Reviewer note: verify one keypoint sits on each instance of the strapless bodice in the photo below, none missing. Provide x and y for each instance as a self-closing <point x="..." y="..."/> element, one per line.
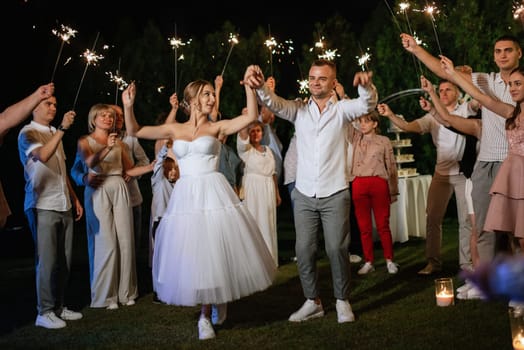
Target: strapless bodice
<point x="199" y="156"/>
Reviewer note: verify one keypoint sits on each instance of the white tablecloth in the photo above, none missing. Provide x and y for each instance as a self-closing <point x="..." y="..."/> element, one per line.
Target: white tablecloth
<point x="408" y="213"/>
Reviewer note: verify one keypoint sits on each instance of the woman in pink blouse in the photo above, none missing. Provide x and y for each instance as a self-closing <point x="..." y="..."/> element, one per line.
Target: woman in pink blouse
<point x="374" y="188"/>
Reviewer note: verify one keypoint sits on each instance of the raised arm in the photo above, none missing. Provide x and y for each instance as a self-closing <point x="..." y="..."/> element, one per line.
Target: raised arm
<point x="215" y="113"/>
<point x="18" y="112"/>
<point x="173" y="101"/>
<point x="231" y="126"/>
<point x="505" y="110"/>
<point x="442" y="115"/>
<point x="162" y="131"/>
<point x="385" y="111"/>
<point x="45" y="152"/>
<point x="433" y="63"/>
<point x="171" y="118"/>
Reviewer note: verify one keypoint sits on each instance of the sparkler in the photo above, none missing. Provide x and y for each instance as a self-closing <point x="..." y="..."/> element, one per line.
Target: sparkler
<point x="393" y="15"/>
<point x="233" y="40"/>
<point x="121" y="84"/>
<point x="91" y="58"/>
<point x="363" y="59"/>
<point x="64" y="33"/>
<point x="175" y="44"/>
<point x="270" y="43"/>
<point x="404" y="6"/>
<point x="430" y="10"/>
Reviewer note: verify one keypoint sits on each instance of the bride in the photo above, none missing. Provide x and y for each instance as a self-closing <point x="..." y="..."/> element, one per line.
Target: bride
<point x="208" y="248"/>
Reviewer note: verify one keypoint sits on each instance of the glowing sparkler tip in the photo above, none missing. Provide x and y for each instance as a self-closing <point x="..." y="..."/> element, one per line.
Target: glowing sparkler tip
<point x="65" y="33"/>
<point x="177" y="42"/>
<point x="303" y="86"/>
<point x="364" y="59"/>
<point x="233" y="38"/>
<point x="518" y="11"/>
<point x="270" y="42"/>
<point x="91" y="57"/>
<point x="118" y="80"/>
<point x="329" y="55"/>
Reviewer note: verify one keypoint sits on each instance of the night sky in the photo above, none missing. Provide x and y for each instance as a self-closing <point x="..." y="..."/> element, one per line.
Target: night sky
<point x="29" y="48"/>
<point x="28" y="43"/>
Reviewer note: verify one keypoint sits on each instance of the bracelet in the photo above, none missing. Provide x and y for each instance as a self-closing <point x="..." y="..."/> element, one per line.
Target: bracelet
<point x="61" y="128"/>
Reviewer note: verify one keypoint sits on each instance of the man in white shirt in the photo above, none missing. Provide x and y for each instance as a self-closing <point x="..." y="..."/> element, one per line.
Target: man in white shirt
<point x="48" y="196"/>
<point x="321" y="190"/>
<point x="447" y="177"/>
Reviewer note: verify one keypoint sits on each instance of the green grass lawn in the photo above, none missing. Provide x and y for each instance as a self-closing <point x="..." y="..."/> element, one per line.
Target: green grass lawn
<point x="392" y="311"/>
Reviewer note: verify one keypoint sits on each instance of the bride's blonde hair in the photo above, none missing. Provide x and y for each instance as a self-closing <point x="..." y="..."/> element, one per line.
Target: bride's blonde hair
<point x="193" y="90"/>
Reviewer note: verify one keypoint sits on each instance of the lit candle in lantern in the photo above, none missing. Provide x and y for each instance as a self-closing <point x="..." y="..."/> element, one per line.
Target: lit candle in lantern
<point x="444" y="291"/>
<point x="445" y="298"/>
<point x="518" y="342"/>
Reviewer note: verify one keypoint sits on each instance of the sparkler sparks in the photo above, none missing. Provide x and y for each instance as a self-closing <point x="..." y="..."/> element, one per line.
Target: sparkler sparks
<point x="118" y="80"/>
<point x="329" y="55"/>
<point x="363" y="60"/>
<point x="326" y="54"/>
<point x="64" y="33"/>
<point x="518" y="11"/>
<point x="91" y="57"/>
<point x="303" y="86"/>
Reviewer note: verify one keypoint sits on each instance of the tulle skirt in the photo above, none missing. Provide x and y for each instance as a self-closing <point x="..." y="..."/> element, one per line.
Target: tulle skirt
<point x="506" y="207"/>
<point x="208" y="248"/>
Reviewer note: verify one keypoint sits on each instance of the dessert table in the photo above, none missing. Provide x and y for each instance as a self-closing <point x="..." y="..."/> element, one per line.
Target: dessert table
<point x="408" y="213"/>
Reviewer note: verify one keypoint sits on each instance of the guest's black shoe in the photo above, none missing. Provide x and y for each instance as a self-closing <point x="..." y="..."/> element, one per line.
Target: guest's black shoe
<point x="430" y="269"/>
<point x="156" y="300"/>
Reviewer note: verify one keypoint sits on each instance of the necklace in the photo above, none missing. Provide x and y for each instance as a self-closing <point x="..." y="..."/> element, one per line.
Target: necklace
<point x="197" y="128"/>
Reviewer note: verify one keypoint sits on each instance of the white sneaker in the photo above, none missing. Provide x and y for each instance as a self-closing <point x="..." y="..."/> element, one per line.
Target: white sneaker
<point x="514" y="304"/>
<point x="344" y="312"/>
<point x="392" y="267"/>
<point x="308" y="311"/>
<point x="205" y="329"/>
<point x="70" y="315"/>
<point x="112" y="306"/>
<point x="218" y="313"/>
<point x="366" y="268"/>
<point x="50" y="321"/>
<point x="471" y="294"/>
<point x="354" y="259"/>
<point x="465" y="287"/>
<point x="130" y="302"/>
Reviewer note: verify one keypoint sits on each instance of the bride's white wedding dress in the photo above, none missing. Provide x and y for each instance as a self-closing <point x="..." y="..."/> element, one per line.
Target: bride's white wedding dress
<point x="208" y="248"/>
